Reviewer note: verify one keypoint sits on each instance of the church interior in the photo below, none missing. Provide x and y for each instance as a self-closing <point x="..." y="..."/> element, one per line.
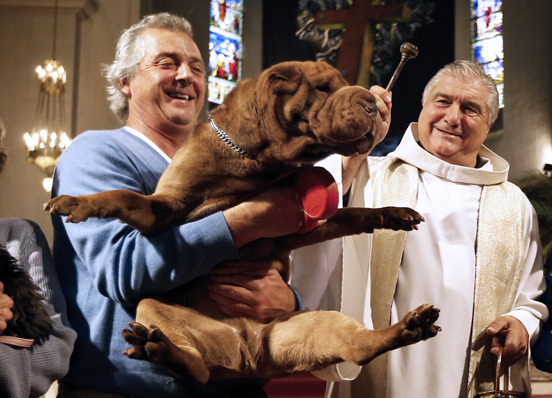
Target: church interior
<point x="81" y="34"/>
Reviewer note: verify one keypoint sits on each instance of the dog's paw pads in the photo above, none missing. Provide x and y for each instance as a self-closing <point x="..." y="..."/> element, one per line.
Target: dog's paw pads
<point x="419" y="323"/>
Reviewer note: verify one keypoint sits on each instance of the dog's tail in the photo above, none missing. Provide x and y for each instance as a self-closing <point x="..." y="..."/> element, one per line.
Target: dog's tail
<point x="30" y="318"/>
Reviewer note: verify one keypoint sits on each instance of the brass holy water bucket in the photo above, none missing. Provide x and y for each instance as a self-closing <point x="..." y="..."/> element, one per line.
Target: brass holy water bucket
<point x="498" y="393"/>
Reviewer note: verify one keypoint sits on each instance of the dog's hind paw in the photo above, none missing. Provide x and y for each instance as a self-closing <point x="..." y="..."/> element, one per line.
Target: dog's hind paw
<point x="148" y="344"/>
<point x="151" y="344"/>
<point x="139" y="337"/>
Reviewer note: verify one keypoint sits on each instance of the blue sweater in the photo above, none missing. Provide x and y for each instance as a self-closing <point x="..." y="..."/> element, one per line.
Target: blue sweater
<point x="106" y="267"/>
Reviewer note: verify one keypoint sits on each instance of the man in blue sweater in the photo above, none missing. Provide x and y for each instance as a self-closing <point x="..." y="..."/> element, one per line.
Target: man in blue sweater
<point x="157" y="88"/>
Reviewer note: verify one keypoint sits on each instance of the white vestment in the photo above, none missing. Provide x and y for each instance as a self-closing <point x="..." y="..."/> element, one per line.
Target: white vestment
<point x="436" y="269"/>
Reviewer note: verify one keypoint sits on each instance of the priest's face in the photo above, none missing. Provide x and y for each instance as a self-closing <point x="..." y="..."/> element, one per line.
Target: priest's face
<point x="453" y="123"/>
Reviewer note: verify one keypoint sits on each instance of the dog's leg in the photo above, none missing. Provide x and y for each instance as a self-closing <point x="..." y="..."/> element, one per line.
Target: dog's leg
<point x="191" y="344"/>
<point x="294" y="345"/>
<point x="148" y="214"/>
<point x="354" y="221"/>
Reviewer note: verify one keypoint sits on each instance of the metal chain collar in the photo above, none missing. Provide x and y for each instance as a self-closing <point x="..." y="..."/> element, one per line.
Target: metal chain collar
<point x="223" y="136"/>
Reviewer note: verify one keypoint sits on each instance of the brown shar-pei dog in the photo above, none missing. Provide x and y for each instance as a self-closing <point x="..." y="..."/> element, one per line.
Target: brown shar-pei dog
<point x="292" y="114"/>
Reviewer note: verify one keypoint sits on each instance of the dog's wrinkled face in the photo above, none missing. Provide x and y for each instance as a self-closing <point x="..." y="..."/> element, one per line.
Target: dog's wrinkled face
<point x="312" y="100"/>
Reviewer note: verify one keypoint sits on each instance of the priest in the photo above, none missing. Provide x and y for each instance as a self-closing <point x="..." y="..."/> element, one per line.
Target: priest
<point x="477" y="256"/>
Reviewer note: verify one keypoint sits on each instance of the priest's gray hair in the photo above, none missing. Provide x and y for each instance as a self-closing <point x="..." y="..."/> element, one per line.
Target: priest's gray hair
<point x="130" y="52"/>
<point x="474" y="73"/>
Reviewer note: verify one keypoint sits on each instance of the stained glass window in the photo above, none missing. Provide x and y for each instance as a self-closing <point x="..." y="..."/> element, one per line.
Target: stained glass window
<point x="487" y="44"/>
<point x="225" y="47"/>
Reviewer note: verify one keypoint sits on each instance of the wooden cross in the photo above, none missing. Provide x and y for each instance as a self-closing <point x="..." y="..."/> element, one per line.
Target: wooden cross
<point x="357" y="47"/>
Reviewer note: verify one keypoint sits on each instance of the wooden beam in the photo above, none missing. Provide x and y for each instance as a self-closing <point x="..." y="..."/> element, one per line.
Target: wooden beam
<point x="396" y="12"/>
<point x="356" y="49"/>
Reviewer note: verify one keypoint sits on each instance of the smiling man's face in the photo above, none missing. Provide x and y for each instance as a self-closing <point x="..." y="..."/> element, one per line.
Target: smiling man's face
<point x="453" y="123"/>
<point x="168" y="90"/>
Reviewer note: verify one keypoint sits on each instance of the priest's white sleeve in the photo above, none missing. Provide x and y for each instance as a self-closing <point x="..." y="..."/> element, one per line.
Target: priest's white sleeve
<point x="527" y="309"/>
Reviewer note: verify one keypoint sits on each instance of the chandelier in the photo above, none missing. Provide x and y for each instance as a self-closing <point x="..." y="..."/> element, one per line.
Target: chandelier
<point x="48" y="138"/>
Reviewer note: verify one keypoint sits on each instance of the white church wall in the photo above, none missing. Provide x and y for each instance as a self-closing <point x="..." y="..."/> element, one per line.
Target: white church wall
<point x="87" y="31"/>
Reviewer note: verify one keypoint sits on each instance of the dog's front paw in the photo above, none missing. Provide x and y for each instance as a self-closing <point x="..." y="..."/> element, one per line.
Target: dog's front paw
<point x="419" y="324"/>
<point x="75" y="208"/>
<point x="399" y="218"/>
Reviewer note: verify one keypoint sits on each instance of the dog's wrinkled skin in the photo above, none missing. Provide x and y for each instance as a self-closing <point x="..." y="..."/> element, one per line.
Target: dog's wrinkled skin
<point x="293" y="113"/>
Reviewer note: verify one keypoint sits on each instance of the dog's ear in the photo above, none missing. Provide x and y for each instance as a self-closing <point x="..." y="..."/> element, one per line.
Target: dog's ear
<point x="284" y="78"/>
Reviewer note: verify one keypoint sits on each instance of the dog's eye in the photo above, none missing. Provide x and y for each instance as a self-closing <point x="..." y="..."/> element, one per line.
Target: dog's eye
<point x="323" y="87"/>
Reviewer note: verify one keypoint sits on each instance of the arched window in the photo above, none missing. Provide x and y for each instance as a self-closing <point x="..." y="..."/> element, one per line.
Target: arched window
<point x="225" y="48"/>
<point x="487" y="43"/>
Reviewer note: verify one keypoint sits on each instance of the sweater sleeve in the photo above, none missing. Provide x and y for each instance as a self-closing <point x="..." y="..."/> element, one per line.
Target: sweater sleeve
<point x="124" y="264"/>
<point x="30" y="372"/>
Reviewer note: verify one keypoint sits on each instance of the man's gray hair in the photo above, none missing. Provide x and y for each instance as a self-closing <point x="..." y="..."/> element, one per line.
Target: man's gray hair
<point x="472" y="72"/>
<point x="130" y="52"/>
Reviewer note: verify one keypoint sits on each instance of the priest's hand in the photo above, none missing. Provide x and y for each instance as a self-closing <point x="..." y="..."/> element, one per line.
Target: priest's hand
<point x="383" y="102"/>
<point x="351" y="164"/>
<point x="510" y="333"/>
<point x="260" y="294"/>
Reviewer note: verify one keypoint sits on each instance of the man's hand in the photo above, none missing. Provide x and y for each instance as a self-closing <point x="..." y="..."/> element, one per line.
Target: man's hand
<point x="273" y="212"/>
<point x="509" y="332"/>
<point x="351" y="164"/>
<point x="260" y="294"/>
<point x="6" y="304"/>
